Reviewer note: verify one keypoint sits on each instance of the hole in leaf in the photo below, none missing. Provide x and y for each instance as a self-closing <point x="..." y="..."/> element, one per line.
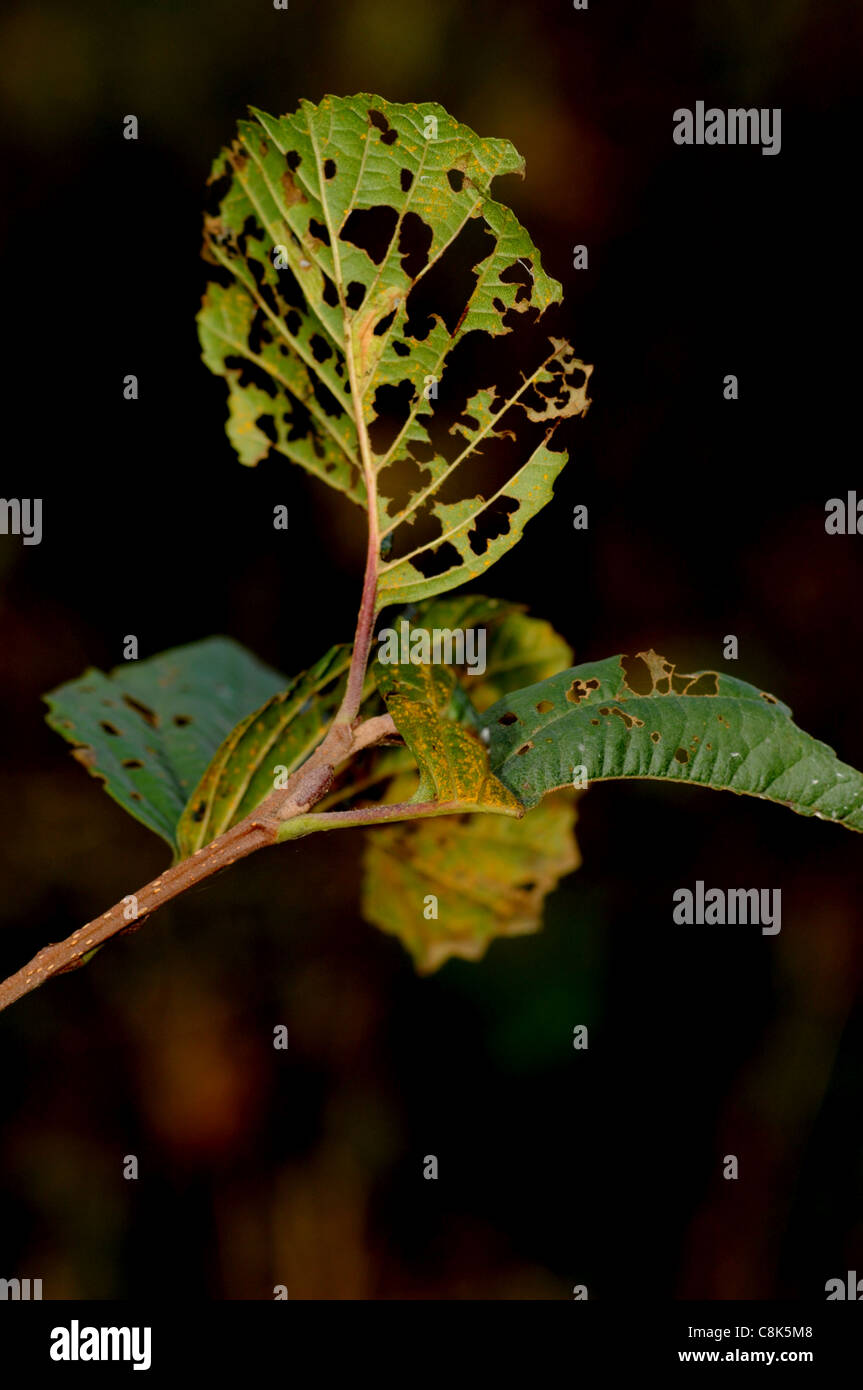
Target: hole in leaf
<point x="431" y="563"/>
<point x="132" y="762"/>
<point x="321" y="350"/>
<point x="406" y="178"/>
<point x="399" y="481"/>
<point x="525" y="748"/>
<point x="267" y="425"/>
<point x="447" y="286"/>
<point x="250" y="374"/>
<point x="455" y="179"/>
<point x="372" y="230"/>
<point x="391" y="404"/>
<point x="355" y="294"/>
<point x="380" y="328"/>
<point x="325" y="399"/>
<point x="508" y="718"/>
<point x="149" y="716"/>
<point x="415" y="239"/>
<point x="637" y="675"/>
<point x="318" y="230"/>
<point x="109" y="728"/>
<point x="518" y="274"/>
<point x="329" y="168"/>
<point x="492" y="522"/>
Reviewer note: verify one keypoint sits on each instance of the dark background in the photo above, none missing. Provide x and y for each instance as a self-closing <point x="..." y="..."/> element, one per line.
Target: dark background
<point x="706" y="518"/>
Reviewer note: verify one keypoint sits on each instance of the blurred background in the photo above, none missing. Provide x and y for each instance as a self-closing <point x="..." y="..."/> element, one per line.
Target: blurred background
<point x="706" y="518"/>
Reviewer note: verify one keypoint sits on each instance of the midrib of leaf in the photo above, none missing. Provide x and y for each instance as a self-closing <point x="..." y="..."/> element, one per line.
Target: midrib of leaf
<point x="469" y="448"/>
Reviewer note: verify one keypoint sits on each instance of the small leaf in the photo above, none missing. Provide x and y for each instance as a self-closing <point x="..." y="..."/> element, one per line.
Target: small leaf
<point x="281" y="734"/>
<point x="639" y="717"/>
<point x="149" y="728"/>
<point x="489" y="875"/>
<point x="452" y="762"/>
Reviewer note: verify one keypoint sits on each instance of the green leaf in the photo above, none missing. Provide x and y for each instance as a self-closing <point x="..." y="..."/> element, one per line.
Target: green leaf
<point x="489" y="875"/>
<point x="279" y="735"/>
<point x="641" y="718"/>
<point x="327" y="223"/>
<point x="452" y="761"/>
<point x="149" y="728"/>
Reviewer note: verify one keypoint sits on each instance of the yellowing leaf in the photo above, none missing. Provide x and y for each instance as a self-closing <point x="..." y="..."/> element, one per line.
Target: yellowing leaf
<point x="449" y="887"/>
<point x="452" y="761"/>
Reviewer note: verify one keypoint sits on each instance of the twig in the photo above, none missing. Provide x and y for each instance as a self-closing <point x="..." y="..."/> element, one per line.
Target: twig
<point x="304" y="789"/>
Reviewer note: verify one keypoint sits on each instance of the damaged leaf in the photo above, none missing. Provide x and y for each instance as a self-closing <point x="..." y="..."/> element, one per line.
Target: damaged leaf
<point x="330" y="226"/>
<point x="640" y="717"/>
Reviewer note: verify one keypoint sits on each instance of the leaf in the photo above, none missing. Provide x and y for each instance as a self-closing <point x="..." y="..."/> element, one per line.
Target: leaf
<point x="149" y="728"/>
<point x="452" y="762"/>
<point x="641" y="718"/>
<point x="281" y="734"/>
<point x="517" y="646"/>
<point x="331" y="224"/>
<point x="489" y="874"/>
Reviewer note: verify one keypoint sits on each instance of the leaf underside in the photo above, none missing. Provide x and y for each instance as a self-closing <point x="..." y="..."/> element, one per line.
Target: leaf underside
<point x="489" y="874"/>
<point x="453" y="763"/>
<point x="148" y="729"/>
<point x="337" y="233"/>
<point x="280" y="735"/>
<point x="640" y="718"/>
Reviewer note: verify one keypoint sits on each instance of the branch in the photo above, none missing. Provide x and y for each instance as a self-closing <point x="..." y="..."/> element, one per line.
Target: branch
<point x="304" y="789"/>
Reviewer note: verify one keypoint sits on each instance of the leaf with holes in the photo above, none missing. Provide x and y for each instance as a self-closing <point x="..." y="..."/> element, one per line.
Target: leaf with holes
<point x="149" y="729"/>
<point x="341" y="234"/>
<point x="641" y="718"/>
<point x="489" y="877"/>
